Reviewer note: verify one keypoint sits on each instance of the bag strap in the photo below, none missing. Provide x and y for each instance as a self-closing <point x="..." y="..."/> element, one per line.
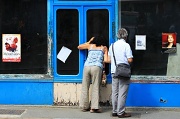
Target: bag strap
<point x="113" y="54"/>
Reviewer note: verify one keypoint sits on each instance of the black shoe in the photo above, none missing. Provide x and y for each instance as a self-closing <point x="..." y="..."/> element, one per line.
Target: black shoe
<point x="85" y="110"/>
<point x="95" y="110"/>
<point x="124" y="115"/>
<point x="114" y="115"/>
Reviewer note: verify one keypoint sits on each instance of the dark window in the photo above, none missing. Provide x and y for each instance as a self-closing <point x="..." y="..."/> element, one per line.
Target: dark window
<point x="68" y="36"/>
<point x="28" y="18"/>
<point x="152" y="18"/>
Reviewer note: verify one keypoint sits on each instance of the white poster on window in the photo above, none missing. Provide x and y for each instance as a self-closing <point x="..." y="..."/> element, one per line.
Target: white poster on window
<point x="64" y="54"/>
<point x="11" y="48"/>
<point x="140" y="42"/>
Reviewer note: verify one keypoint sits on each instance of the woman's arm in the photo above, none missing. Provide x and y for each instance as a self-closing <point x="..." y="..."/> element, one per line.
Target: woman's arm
<point x="85" y="45"/>
<point x="107" y="58"/>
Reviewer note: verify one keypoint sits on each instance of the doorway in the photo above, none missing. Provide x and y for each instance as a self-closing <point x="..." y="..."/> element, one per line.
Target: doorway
<point x="74" y="25"/>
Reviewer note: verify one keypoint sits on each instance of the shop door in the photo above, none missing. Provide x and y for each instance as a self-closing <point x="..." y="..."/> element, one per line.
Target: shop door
<point x="74" y="25"/>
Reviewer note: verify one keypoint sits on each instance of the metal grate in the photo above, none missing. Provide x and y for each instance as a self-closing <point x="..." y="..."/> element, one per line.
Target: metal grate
<point x="11" y="112"/>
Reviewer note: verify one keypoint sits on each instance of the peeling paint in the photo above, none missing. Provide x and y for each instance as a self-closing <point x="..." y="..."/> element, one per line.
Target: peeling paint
<point x="66" y="103"/>
<point x="49" y="53"/>
<point x="68" y="94"/>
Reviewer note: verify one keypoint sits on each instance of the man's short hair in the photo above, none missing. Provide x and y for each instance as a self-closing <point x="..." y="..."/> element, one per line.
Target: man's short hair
<point x="122" y="33"/>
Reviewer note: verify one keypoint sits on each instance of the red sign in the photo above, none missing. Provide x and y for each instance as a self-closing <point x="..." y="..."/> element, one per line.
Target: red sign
<point x="169" y="43"/>
<point x="168" y="40"/>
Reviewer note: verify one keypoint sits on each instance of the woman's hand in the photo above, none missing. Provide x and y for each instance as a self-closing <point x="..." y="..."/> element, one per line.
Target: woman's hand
<point x="90" y="40"/>
<point x="85" y="45"/>
<point x="105" y="49"/>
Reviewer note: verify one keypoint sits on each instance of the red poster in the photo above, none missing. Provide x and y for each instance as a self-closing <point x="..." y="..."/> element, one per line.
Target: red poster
<point x="169" y="42"/>
<point x="11" y="48"/>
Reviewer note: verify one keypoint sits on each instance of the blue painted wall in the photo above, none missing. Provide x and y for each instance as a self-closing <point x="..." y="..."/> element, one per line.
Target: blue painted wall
<point x="26" y="93"/>
<point x="41" y="93"/>
<point x="154" y="95"/>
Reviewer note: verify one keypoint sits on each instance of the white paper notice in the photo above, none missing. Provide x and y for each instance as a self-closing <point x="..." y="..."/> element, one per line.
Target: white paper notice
<point x="140" y="42"/>
<point x="64" y="54"/>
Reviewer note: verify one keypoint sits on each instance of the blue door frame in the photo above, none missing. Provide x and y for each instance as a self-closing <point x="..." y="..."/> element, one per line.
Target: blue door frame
<point x="82" y="8"/>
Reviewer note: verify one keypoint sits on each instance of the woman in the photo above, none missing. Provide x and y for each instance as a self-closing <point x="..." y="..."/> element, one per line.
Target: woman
<point x="170" y="41"/>
<point x="97" y="53"/>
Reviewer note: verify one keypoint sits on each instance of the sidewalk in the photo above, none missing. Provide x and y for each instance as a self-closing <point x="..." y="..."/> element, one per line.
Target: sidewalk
<point x="57" y="112"/>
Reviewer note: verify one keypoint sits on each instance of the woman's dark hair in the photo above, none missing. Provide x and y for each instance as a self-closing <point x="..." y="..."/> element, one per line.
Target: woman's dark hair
<point x="99" y="40"/>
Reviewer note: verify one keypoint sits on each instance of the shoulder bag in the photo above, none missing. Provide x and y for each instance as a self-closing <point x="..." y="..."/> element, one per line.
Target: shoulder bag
<point x="122" y="70"/>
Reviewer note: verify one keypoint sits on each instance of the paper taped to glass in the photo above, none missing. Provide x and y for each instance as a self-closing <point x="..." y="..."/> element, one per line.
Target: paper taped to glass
<point x="64" y="54"/>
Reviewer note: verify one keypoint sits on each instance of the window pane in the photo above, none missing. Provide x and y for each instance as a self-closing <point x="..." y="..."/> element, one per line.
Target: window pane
<point x="28" y="18"/>
<point x="152" y="18"/>
<point x="68" y="36"/>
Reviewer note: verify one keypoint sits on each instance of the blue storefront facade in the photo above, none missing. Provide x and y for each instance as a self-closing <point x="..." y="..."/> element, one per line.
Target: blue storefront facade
<point x="49" y="29"/>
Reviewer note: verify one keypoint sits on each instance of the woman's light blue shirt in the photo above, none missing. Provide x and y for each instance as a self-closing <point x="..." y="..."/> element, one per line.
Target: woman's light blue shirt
<point x="95" y="58"/>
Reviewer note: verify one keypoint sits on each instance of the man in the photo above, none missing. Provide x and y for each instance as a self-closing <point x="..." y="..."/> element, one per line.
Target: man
<point x="123" y="54"/>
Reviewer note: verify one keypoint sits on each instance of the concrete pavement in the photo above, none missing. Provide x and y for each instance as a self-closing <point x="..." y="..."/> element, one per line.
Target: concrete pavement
<point x="60" y="112"/>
